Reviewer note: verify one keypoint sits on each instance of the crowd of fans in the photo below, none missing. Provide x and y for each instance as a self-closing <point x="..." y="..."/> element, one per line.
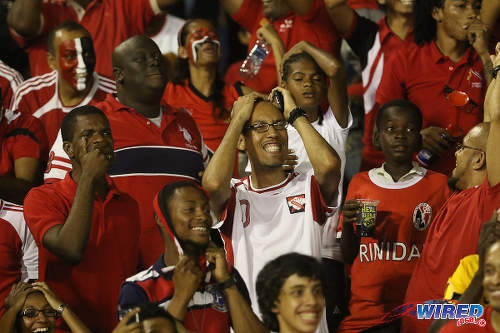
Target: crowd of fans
<point x="145" y="186"/>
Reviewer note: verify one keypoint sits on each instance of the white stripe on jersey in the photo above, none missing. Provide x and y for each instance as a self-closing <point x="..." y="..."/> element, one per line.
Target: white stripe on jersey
<point x="13" y="76"/>
<point x="371" y="82"/>
<point x="35" y="83"/>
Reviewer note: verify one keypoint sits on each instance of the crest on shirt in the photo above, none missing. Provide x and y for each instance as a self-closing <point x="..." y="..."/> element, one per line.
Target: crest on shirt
<point x="288" y="24"/>
<point x="187" y="136"/>
<point x="218" y="300"/>
<point x="296" y="203"/>
<point x="422" y="216"/>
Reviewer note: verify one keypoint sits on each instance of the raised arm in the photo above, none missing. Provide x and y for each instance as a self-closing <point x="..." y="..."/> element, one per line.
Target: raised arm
<point x="231" y="6"/>
<point x="271" y="36"/>
<point x="492" y="111"/>
<point x="25" y="17"/>
<point x="17" y="297"/>
<point x="324" y="159"/>
<point x="217" y="176"/>
<point x="340" y="14"/>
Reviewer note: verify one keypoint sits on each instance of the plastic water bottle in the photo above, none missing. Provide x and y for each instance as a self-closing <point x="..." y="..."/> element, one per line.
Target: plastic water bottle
<point x="254" y="60"/>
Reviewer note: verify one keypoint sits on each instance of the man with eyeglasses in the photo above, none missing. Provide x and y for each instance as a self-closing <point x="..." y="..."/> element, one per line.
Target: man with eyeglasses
<point x="271" y="213"/>
<point x="454" y="232"/>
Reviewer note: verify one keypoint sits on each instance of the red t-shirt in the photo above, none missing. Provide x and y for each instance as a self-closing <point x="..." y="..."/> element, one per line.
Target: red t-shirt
<point x="452" y="236"/>
<point x="23" y="137"/>
<point x="200" y="107"/>
<point x="10" y="79"/>
<point x="452" y="327"/>
<point x="356" y="4"/>
<point x="420" y="74"/>
<point x="314" y="27"/>
<point x="91" y="287"/>
<point x="382" y="269"/>
<point x="39" y="97"/>
<point x="109" y="22"/>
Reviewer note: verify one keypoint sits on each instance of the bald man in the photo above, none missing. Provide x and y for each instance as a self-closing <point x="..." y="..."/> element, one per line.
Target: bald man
<point x="454" y="232"/>
<point x="149" y="135"/>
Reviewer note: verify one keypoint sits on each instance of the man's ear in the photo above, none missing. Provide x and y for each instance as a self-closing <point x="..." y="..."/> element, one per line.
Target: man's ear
<point x="118" y="74"/>
<point x="376" y="138"/>
<point x="437" y="14"/>
<point x="182" y="52"/>
<point x="68" y="149"/>
<point x="241" y="145"/>
<point x="274" y="309"/>
<point x="479" y="161"/>
<point x="52" y="61"/>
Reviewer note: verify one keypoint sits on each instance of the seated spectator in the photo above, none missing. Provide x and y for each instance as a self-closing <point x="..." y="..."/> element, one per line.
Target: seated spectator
<point x="379" y="277"/>
<point x="445" y="75"/>
<point x="35" y="308"/>
<point x="307" y="22"/>
<point x="72" y="82"/>
<point x="164" y="31"/>
<point x="271" y="212"/>
<point x="109" y="22"/>
<point x="183" y="281"/>
<point x="148" y="133"/>
<point x="83" y="224"/>
<point x="379" y="40"/>
<point x="290" y="290"/>
<point x="454" y="231"/>
<point x="18" y="251"/>
<point x="197" y="87"/>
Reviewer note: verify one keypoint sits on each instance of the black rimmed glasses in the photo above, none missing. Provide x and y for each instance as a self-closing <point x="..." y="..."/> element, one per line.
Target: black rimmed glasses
<point x="461" y="147"/>
<point x="33" y="313"/>
<point x="262" y="127"/>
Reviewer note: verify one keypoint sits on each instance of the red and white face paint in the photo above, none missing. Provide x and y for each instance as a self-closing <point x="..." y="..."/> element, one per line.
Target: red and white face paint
<point x="197" y="38"/>
<point x="77" y="61"/>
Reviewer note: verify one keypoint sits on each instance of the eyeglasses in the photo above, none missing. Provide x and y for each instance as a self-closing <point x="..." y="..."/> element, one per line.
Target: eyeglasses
<point x="262" y="127"/>
<point x="33" y="313"/>
<point x="461" y="147"/>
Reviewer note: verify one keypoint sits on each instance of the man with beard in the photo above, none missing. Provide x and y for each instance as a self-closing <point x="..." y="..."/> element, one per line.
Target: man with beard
<point x="454" y="232"/>
<point x="192" y="279"/>
<point x="85" y="229"/>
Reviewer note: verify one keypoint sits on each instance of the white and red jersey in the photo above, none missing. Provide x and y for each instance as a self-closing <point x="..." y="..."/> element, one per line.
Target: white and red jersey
<point x="9" y="80"/>
<point x="266" y="223"/>
<point x="382" y="269"/>
<point x="166" y="38"/>
<point x="39" y="97"/>
<point x="18" y="250"/>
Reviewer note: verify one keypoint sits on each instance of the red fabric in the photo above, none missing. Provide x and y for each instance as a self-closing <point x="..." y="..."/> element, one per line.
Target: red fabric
<point x="378" y="283"/>
<point x="23" y="137"/>
<point x="109" y="22"/>
<point x="357" y="4"/>
<point x="453" y="235"/>
<point x="233" y="73"/>
<point x="452" y="327"/>
<point x="9" y="81"/>
<point x="186" y="96"/>
<point x="91" y="288"/>
<point x="315" y="27"/>
<point x="420" y="74"/>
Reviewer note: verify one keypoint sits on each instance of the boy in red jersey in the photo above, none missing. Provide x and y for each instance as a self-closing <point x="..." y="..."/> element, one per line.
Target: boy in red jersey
<point x="383" y="263"/>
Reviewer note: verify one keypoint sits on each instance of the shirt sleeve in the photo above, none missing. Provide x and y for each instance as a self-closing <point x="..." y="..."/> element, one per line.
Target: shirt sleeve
<point x="248" y="14"/>
<point x="392" y="85"/>
<point x="320" y="210"/>
<point x="26" y="138"/>
<point x="30" y="257"/>
<point x="59" y="163"/>
<point x="140" y="12"/>
<point x="362" y="37"/>
<point x="227" y="216"/>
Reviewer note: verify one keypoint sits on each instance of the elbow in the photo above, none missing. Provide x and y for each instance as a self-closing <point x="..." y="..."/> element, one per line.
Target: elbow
<point x="210" y="184"/>
<point x="21" y="25"/>
<point x="73" y="257"/>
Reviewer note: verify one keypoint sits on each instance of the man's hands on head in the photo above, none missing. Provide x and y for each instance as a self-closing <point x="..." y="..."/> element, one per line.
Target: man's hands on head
<point x="288" y="100"/>
<point x="124" y="327"/>
<point x="17" y="295"/>
<point x="243" y="108"/>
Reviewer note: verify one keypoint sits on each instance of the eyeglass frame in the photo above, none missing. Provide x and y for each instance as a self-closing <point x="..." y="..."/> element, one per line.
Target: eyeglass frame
<point x="461" y="147"/>
<point x="37" y="313"/>
<point x="262" y="124"/>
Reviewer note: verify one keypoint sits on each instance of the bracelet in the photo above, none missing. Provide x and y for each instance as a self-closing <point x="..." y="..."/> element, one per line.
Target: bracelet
<point x="296" y="113"/>
<point x="61" y="308"/>
<point x="494" y="71"/>
<point x="228" y="283"/>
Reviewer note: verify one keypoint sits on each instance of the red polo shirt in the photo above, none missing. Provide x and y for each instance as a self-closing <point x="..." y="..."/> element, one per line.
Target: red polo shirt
<point x="420" y="74"/>
<point x="109" y="22"/>
<point x="91" y="288"/>
<point x="314" y="27"/>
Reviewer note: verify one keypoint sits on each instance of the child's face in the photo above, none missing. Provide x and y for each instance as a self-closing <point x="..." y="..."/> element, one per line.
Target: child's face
<point x="300" y="304"/>
<point x="399" y="135"/>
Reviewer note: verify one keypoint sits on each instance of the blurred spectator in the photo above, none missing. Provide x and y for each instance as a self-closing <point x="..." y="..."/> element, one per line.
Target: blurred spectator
<point x="164" y="30"/>
<point x="454" y="231"/>
<point x="72" y="82"/>
<point x="445" y="75"/>
<point x="109" y="22"/>
<point x="182" y="281"/>
<point x="373" y="43"/>
<point x="83" y="224"/>
<point x="149" y="135"/>
<point x="35" y="308"/>
<point x="279" y="212"/>
<point x="382" y="264"/>
<point x="490" y="15"/>
<point x="10" y="79"/>
<point x="197" y="87"/>
<point x="290" y="290"/>
<point x="307" y="22"/>
<point x="19" y="254"/>
<point x="12" y="54"/>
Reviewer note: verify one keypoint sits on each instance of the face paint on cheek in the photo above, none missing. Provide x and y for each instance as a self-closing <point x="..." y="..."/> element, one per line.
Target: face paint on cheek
<point x="77" y="61"/>
<point x="197" y="38"/>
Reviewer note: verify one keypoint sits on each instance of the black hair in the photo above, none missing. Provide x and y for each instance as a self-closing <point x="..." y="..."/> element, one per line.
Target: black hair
<point x="181" y="73"/>
<point x="286" y="72"/>
<point x="490" y="234"/>
<point x="151" y="310"/>
<point x="403" y="104"/>
<point x="68" y="122"/>
<point x="424" y="24"/>
<point x="68" y="25"/>
<point x="272" y="277"/>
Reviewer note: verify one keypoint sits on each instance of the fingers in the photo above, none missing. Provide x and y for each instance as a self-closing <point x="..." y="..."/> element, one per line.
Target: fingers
<point x="434" y="140"/>
<point x="351" y="210"/>
<point x="122" y="326"/>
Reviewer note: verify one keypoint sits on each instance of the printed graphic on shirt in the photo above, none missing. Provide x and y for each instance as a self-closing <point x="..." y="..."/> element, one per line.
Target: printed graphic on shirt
<point x="296" y="203"/>
<point x="217" y="299"/>
<point x="422" y="216"/>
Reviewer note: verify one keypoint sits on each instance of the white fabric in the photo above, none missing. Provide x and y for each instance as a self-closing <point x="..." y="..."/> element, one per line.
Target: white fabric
<point x="382" y="177"/>
<point x="166" y="38"/>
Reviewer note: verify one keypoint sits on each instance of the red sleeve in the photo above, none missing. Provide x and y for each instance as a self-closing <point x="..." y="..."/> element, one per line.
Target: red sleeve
<point x="392" y="85"/>
<point x="26" y="138"/>
<point x="351" y="194"/>
<point x="320" y="210"/>
<point x="42" y="212"/>
<point x="227" y="216"/>
<point x="249" y="14"/>
<point x="138" y="13"/>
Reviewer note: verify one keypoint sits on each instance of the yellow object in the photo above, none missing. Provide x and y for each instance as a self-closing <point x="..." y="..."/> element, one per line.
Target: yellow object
<point x="462" y="276"/>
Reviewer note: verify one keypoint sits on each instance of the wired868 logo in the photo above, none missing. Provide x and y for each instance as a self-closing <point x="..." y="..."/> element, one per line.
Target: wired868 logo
<point x="440" y="309"/>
